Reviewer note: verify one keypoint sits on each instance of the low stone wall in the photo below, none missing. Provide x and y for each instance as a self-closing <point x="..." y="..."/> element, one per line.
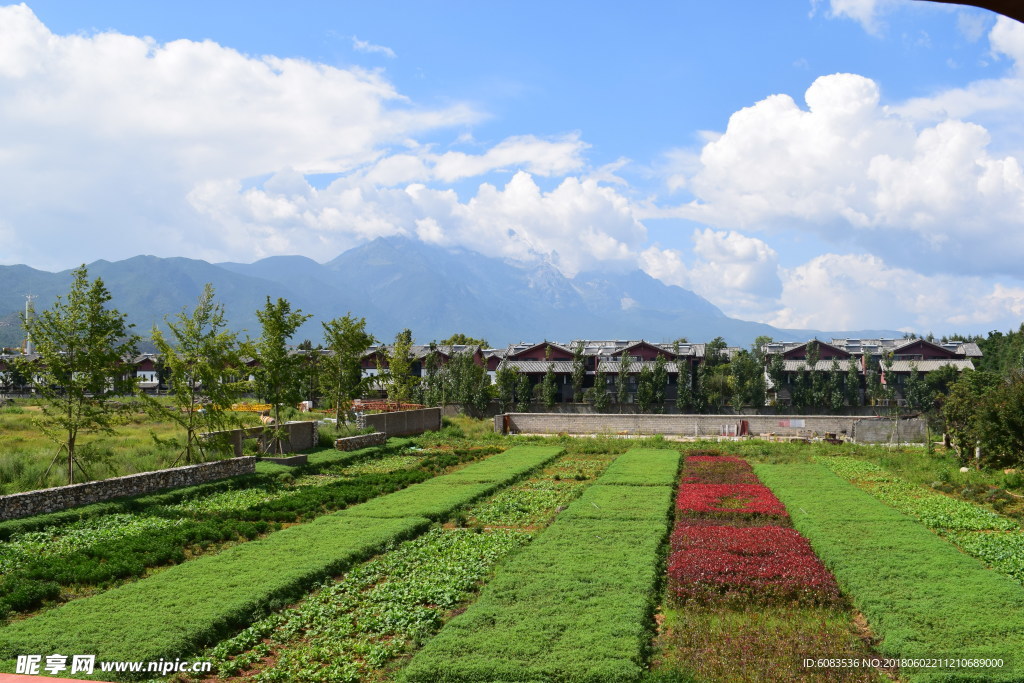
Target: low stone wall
<point x="354" y="443"/>
<point x="63" y="497"/>
<point x="299" y="436"/>
<point x="866" y="430"/>
<point x="403" y="422"/>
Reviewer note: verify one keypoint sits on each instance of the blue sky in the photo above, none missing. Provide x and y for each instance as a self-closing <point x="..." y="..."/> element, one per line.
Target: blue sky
<point x="835" y="164"/>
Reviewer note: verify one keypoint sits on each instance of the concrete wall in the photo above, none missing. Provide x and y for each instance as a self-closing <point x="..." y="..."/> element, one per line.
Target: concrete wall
<point x="300" y="436"/>
<point x="51" y="500"/>
<point x="403" y="422"/>
<point x="354" y="443"/>
<point x="872" y="429"/>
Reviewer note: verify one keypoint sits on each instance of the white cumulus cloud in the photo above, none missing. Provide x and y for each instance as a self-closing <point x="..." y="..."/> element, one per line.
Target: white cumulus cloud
<point x="851" y="170"/>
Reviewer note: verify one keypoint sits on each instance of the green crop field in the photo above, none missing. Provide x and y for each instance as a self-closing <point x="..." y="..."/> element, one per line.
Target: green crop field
<point x="468" y="556"/>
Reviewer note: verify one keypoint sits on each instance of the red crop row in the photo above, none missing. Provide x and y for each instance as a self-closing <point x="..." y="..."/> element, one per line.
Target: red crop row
<point x="714" y="564"/>
<point x="726" y="469"/>
<point x="729" y="501"/>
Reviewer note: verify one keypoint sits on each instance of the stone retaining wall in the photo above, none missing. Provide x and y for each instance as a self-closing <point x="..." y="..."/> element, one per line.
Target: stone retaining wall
<point x="354" y="443"/>
<point x="63" y="497"/>
<point x="866" y="430"/>
<point x="403" y="422"/>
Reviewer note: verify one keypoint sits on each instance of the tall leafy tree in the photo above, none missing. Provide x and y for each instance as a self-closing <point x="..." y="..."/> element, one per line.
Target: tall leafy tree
<point x="684" y="387"/>
<point x="851" y="386"/>
<point x="713" y="385"/>
<point x="622" y="380"/>
<point x="834" y="396"/>
<point x="645" y="389"/>
<point x="599" y="396"/>
<point x="505" y="379"/>
<point x="918" y="394"/>
<point x="279" y="373"/>
<point x="400" y="381"/>
<point x="549" y="387"/>
<point x="203" y="363"/>
<point x="659" y="382"/>
<point x="964" y="422"/>
<point x="524" y="393"/>
<point x="84" y="349"/>
<point x="776" y="373"/>
<point x="472" y="384"/>
<point x="341" y="372"/>
<point x="579" y="371"/>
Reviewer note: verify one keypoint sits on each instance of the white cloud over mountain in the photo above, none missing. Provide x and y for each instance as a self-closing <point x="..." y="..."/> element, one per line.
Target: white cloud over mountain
<point x="113" y="145"/>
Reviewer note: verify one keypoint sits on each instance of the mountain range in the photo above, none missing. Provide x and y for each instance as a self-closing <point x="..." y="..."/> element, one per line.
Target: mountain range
<point x="397" y="283"/>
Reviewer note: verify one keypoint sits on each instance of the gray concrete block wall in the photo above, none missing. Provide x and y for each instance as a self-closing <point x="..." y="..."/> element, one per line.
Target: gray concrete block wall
<point x="404" y="422"/>
<point x="63" y="497"/>
<point x="879" y="430"/>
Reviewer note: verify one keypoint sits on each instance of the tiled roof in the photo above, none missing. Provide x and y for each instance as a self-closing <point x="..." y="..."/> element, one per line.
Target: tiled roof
<point x="931" y="365"/>
<point x="612" y="366"/>
<point x="822" y="365"/>
<point x="538" y="366"/>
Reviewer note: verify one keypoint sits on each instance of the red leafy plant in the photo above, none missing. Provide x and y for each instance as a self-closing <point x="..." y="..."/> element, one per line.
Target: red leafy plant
<point x="766" y="565"/>
<point x="725" y="469"/>
<point x="729" y="501"/>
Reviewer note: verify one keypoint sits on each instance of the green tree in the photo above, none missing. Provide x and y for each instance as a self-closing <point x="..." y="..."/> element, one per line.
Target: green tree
<point x="463" y="339"/>
<point x="399" y="379"/>
<point x="776" y="373"/>
<point x="341" y="376"/>
<point x="748" y="374"/>
<point x="684" y="386"/>
<point x="579" y="371"/>
<point x="83" y="351"/>
<point x="203" y="362"/>
<point x="961" y="410"/>
<point x="505" y="379"/>
<point x="278" y="377"/>
<point x="1000" y="423"/>
<point x="466" y="384"/>
<point x="645" y="389"/>
<point x="599" y="396"/>
<point x="916" y="391"/>
<point x="622" y="380"/>
<point x="659" y="382"/>
<point x="524" y="393"/>
<point x="851" y="385"/>
<point x="549" y="388"/>
<point x="713" y="385"/>
<point x="834" y="396"/>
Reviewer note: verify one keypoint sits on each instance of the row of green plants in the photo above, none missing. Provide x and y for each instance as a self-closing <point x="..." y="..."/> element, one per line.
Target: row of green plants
<point x="923" y="597"/>
<point x="60" y="561"/>
<point x="980" y="532"/>
<point x="354" y="627"/>
<point x="179" y="610"/>
<point x="746" y="597"/>
<point x="575" y="604"/>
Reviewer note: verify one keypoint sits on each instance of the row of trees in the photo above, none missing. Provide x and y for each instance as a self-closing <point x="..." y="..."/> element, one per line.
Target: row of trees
<point x="82" y="370"/>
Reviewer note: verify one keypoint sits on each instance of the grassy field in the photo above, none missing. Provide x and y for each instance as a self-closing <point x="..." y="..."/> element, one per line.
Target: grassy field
<point x="142" y="444"/>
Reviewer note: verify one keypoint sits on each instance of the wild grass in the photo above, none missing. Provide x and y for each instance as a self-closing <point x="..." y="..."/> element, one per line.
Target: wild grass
<point x="142" y="443"/>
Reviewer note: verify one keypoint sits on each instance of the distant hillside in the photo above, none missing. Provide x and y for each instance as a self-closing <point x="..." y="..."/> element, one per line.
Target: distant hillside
<point x="396" y="283"/>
